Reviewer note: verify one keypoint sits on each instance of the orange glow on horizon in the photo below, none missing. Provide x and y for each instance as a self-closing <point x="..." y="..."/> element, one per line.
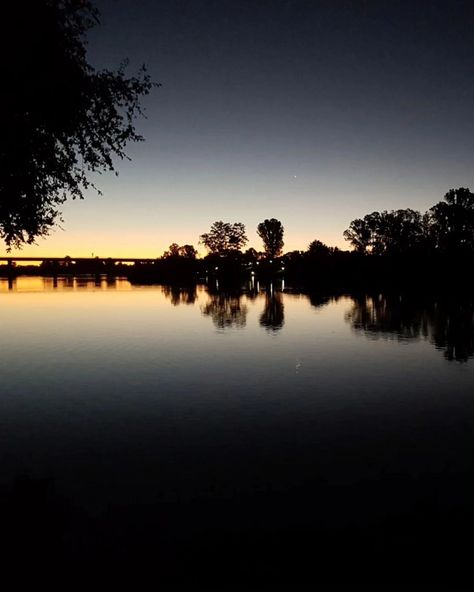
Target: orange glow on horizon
<point x="138" y="249"/>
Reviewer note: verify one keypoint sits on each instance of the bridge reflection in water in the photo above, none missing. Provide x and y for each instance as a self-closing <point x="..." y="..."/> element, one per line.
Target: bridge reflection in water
<point x="63" y="283"/>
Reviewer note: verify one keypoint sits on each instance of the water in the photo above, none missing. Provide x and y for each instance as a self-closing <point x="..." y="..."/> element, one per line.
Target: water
<point x="266" y="435"/>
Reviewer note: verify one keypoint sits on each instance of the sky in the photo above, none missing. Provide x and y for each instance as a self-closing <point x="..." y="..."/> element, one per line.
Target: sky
<point x="312" y="112"/>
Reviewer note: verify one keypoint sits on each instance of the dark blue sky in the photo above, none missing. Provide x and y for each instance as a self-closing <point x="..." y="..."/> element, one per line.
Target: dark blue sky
<point x="311" y="112"/>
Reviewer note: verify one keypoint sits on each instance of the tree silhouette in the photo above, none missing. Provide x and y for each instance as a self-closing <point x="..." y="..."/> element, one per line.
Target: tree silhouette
<point x="317" y="248"/>
<point x="188" y="252"/>
<point x="175" y="251"/>
<point x="224" y="238"/>
<point x="251" y="255"/>
<point x="271" y="233"/>
<point x="61" y="119"/>
<point x="359" y="233"/>
<point x="397" y="231"/>
<point x="452" y="221"/>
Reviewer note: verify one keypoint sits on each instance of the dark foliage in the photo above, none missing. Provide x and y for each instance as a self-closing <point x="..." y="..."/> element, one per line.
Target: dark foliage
<point x="448" y="227"/>
<point x="385" y="232"/>
<point x="451" y="222"/>
<point x="317" y="249"/>
<point x="61" y="119"/>
<point x="175" y="251"/>
<point x="224" y="238"/>
<point x="271" y="233"/>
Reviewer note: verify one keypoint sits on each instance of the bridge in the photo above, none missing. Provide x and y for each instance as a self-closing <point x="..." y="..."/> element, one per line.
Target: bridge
<point x="65" y="265"/>
<point x="10" y="259"/>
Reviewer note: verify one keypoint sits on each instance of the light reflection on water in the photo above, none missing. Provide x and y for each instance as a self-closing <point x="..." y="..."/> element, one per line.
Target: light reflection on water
<point x="306" y="411"/>
<point x="64" y="283"/>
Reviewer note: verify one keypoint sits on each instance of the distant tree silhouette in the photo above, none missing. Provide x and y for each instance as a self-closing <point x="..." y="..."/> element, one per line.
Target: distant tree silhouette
<point x="61" y="118"/>
<point x="401" y="230"/>
<point x="224" y="238"/>
<point x="293" y="256"/>
<point x="447" y="227"/>
<point x="360" y="231"/>
<point x="452" y="221"/>
<point x="317" y="248"/>
<point x="186" y="251"/>
<point x="271" y="232"/>
<point x="251" y="255"/>
<point x="397" y="231"/>
<point x="173" y="251"/>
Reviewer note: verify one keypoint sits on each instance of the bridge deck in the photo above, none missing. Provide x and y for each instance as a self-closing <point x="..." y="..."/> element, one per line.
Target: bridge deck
<point x="9" y="259"/>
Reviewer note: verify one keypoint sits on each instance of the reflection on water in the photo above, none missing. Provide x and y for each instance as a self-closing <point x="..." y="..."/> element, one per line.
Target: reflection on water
<point x="248" y="433"/>
<point x="64" y="283"/>
<point x="226" y="310"/>
<point x="180" y="294"/>
<point x="318" y="300"/>
<point x="446" y="323"/>
<point x="273" y="315"/>
<point x="396" y="318"/>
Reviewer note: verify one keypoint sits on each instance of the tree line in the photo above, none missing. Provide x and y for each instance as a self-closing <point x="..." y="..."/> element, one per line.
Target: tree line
<point x="397" y="247"/>
<point x="446" y="227"/>
<point x="226" y="239"/>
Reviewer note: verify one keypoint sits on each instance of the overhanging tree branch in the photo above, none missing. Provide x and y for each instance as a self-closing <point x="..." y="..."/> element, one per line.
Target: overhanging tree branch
<point x="61" y="119"/>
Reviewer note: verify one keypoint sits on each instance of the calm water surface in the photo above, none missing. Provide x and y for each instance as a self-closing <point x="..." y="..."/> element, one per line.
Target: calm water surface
<point x="275" y="435"/>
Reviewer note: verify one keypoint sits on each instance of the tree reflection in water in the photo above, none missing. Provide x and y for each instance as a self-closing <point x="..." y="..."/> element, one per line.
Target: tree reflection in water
<point x="318" y="300"/>
<point x="226" y="310"/>
<point x="453" y="331"/>
<point x="273" y="315"/>
<point x="180" y="294"/>
<point x="445" y="322"/>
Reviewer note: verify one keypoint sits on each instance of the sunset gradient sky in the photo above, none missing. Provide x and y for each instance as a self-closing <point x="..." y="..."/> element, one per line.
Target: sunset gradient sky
<point x="312" y="112"/>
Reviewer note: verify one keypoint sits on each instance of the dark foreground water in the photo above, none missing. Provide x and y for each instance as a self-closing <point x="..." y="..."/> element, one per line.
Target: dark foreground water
<point x="225" y="440"/>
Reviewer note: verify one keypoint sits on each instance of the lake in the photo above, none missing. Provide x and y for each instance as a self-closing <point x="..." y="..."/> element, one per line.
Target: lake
<point x="227" y="438"/>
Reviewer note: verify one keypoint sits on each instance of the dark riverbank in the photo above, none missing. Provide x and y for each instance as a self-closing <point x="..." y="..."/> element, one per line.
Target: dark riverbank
<point x="339" y="271"/>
